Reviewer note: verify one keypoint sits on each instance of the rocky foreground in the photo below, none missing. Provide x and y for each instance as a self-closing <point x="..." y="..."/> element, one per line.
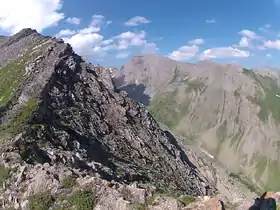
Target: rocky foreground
<point x="69" y="140"/>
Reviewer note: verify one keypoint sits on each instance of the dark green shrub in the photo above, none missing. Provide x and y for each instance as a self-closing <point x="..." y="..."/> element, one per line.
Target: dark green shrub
<point x="82" y="200"/>
<point x="69" y="181"/>
<point x="41" y="201"/>
<point x="4" y="174"/>
<point x="186" y="199"/>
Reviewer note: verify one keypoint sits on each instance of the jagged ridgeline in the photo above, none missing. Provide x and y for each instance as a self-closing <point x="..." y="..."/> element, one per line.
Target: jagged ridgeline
<point x="232" y="112"/>
<point x="58" y="110"/>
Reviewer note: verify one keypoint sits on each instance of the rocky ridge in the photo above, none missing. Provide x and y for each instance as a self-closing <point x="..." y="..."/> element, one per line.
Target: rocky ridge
<point x="62" y="118"/>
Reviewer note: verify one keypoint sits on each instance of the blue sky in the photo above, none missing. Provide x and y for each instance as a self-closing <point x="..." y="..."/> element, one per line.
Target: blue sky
<point x="111" y="31"/>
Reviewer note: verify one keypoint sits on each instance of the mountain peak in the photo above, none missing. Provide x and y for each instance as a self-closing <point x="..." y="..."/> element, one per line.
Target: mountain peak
<point x="61" y="115"/>
<point x="26" y="32"/>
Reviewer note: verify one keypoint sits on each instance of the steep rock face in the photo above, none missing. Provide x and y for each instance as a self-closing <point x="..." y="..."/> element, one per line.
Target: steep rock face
<point x="230" y="111"/>
<point x="60" y="110"/>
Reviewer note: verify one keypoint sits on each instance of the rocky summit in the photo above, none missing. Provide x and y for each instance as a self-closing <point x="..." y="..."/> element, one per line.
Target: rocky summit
<point x="69" y="139"/>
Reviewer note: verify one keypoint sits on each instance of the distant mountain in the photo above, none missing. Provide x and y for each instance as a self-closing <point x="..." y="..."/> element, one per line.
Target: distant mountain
<point x="3" y="39"/>
<point x="232" y="112"/>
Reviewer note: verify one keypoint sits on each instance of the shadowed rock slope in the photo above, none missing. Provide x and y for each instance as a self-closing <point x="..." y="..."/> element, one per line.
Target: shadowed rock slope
<point x="59" y="115"/>
<point x="230" y="111"/>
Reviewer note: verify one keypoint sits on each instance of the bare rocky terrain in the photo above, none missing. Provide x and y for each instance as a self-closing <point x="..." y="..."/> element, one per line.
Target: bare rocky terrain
<point x="231" y="112"/>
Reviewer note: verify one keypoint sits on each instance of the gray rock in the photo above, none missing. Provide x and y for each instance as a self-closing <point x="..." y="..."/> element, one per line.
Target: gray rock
<point x="80" y="123"/>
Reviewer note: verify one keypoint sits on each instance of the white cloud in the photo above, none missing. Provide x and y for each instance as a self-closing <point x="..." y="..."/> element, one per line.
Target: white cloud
<point x="74" y="20"/>
<point x="137" y="20"/>
<point x="247" y="39"/>
<point x="18" y="14"/>
<point x="196" y="42"/>
<point x="249" y="34"/>
<point x="122" y="45"/>
<point x="65" y="32"/>
<point x="88" y="42"/>
<point x="85" y="44"/>
<point x="123" y="54"/>
<point x="268" y="55"/>
<point x="107" y="41"/>
<point x="131" y="35"/>
<point x="98" y="52"/>
<point x="244" y="42"/>
<point x="89" y="30"/>
<point x="272" y="44"/>
<point x="224" y="52"/>
<point x="95" y="25"/>
<point x="127" y="39"/>
<point x="211" y="21"/>
<point x="184" y="53"/>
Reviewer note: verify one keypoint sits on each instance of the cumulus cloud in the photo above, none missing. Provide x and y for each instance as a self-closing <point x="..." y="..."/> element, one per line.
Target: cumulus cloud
<point x="244" y="42"/>
<point x="95" y="25"/>
<point x="88" y="42"/>
<point x="137" y="20"/>
<point x="74" y="20"/>
<point x="123" y="54"/>
<point x="85" y="44"/>
<point x="224" y="52"/>
<point x="127" y="39"/>
<point x="247" y="39"/>
<point x="65" y="32"/>
<point x="211" y="21"/>
<point x="272" y="44"/>
<point x="18" y="14"/>
<point x="184" y="53"/>
<point x="249" y="34"/>
<point x="196" y="42"/>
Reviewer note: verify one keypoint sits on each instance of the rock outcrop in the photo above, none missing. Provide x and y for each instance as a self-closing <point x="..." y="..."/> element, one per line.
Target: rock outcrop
<point x="61" y="117"/>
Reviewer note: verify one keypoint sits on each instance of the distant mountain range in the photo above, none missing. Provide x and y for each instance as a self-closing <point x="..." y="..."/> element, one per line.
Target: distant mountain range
<point x="232" y="112"/>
